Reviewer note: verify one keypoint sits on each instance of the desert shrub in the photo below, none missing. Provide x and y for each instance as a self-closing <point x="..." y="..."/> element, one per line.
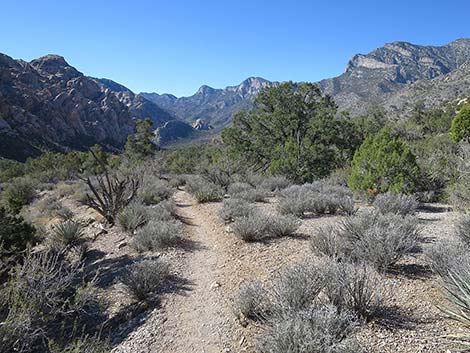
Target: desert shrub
<point x="327" y="241"/>
<point x="318" y="198"/>
<point x="67" y="233"/>
<point x="384" y="163"/>
<point x="132" y="217"/>
<point x="238" y="187"/>
<point x="380" y="240"/>
<point x="164" y="211"/>
<point x="252" y="227"/>
<point x="296" y="288"/>
<point x="157" y="235"/>
<point x="460" y="128"/>
<point x="251" y="301"/>
<point x="204" y="191"/>
<point x="10" y="169"/>
<point x="15" y="234"/>
<point x="352" y="287"/>
<point x="234" y="208"/>
<point x="316" y="330"/>
<point x="64" y="213"/>
<point x="275" y="183"/>
<point x="154" y="190"/>
<point x="19" y="192"/>
<point x="86" y="344"/>
<point x="463" y="228"/>
<point x="46" y="300"/>
<point x="143" y="279"/>
<point x="397" y="204"/>
<point x="446" y="255"/>
<point x="283" y="225"/>
<point x="63" y="189"/>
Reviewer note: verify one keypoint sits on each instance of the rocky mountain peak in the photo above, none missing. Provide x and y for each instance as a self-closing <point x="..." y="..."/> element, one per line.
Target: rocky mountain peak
<point x="55" y="65"/>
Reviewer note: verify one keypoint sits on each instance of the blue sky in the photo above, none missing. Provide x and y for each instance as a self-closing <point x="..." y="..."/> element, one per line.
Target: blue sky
<point x="177" y="46"/>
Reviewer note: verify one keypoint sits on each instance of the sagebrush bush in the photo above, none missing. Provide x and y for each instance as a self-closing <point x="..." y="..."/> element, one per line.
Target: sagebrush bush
<point x="256" y="194"/>
<point x="252" y="227"/>
<point x="445" y="255"/>
<point x="46" y="300"/>
<point x="67" y="233"/>
<point x="296" y="288"/>
<point x="157" y="235"/>
<point x="352" y="287"/>
<point x="143" y="279"/>
<point x="283" y="225"/>
<point x="251" y="301"/>
<point x="203" y="190"/>
<point x="327" y="241"/>
<point x="397" y="204"/>
<point x="234" y="208"/>
<point x="380" y="240"/>
<point x="133" y="216"/>
<point x="275" y="183"/>
<point x="164" y="211"/>
<point x="154" y="190"/>
<point x="316" y="330"/>
<point x="317" y="198"/>
<point x="238" y="187"/>
<point x="19" y="192"/>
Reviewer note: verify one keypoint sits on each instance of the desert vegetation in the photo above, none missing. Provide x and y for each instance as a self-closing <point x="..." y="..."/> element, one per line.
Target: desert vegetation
<point x="301" y="236"/>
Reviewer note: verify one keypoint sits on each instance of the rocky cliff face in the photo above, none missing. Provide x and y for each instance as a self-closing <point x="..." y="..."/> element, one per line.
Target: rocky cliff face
<point x="139" y="107"/>
<point x="48" y="104"/>
<point x="372" y="78"/>
<point x="215" y="106"/>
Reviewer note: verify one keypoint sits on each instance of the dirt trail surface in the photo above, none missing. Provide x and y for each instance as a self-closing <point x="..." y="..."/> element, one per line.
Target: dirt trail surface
<point x="199" y="320"/>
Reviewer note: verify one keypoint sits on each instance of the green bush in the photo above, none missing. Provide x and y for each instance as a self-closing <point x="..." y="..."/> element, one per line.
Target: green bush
<point x="384" y="163"/>
<point x="203" y="190"/>
<point x="15" y="233"/>
<point x="20" y="192"/>
<point x="460" y="128"/>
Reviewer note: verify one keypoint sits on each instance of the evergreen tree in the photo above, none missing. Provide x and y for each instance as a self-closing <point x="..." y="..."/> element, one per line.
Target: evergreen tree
<point x="294" y="130"/>
<point x="384" y="163"/>
<point x="460" y="128"/>
<point x="140" y="145"/>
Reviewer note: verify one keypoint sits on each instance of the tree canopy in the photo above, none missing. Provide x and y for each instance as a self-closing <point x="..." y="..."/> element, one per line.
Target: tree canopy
<point x="295" y="131"/>
<point x="460" y="128"/>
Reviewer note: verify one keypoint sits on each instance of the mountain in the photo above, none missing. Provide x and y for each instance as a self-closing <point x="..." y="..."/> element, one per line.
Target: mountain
<point x="372" y="78"/>
<point x="139" y="107"/>
<point x="214" y="106"/>
<point x="48" y="104"/>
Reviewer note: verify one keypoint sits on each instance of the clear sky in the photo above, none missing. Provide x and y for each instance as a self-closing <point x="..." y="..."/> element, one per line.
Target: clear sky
<point x="177" y="46"/>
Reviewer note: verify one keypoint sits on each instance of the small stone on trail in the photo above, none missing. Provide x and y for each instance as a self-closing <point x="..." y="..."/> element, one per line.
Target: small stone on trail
<point x="215" y="285"/>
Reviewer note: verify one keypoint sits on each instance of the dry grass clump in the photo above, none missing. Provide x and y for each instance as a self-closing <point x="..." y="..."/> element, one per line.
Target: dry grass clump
<point x="144" y="279"/>
<point x="402" y="205"/>
<point x="251" y="301"/>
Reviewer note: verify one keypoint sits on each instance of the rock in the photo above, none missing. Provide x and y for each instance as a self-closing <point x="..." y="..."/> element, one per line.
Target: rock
<point x="122" y="244"/>
<point x="215" y="285"/>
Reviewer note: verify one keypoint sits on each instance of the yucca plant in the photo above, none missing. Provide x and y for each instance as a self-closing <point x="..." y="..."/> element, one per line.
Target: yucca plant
<point x="68" y="233"/>
<point x="457" y="288"/>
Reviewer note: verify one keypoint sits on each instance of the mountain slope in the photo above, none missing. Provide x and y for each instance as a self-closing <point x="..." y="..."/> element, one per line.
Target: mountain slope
<point x="215" y="106"/>
<point x="371" y="78"/>
<point x="48" y="104"/>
